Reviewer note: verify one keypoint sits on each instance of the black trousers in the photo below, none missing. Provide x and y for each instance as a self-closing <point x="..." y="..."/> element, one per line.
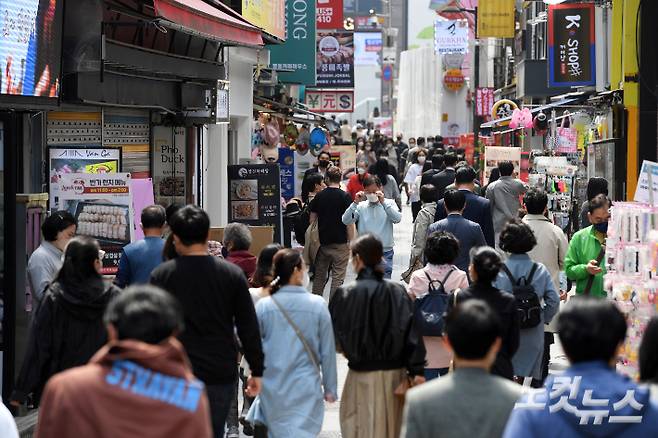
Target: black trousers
<point x="415" y="208"/>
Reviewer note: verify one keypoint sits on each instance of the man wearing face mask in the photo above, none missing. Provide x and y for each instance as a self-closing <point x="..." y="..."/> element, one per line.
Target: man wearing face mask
<point x="355" y="183"/>
<point x="324" y="162"/>
<point x="375" y="214"/>
<point x="584" y="259"/>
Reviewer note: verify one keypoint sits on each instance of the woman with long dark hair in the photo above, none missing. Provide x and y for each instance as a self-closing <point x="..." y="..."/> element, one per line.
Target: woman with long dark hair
<point x="68" y="328"/>
<point x="300" y="354"/>
<point x="389" y="184"/>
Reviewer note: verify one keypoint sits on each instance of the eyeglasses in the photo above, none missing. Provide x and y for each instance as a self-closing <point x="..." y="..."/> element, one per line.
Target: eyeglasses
<point x="101" y="254"/>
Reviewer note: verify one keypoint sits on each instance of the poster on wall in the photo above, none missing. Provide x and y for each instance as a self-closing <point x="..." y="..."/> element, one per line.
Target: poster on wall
<point x="495" y="154"/>
<point x="30" y="47"/>
<point x="571" y="45"/>
<point x="335" y="67"/>
<point x="367" y="48"/>
<point x="330" y="14"/>
<point x="255" y="196"/>
<point x="102" y="206"/>
<point x="269" y="15"/>
<point x="142" y="194"/>
<point x="64" y="161"/>
<point x="297" y="55"/>
<point x="287" y="172"/>
<point x="169" y="165"/>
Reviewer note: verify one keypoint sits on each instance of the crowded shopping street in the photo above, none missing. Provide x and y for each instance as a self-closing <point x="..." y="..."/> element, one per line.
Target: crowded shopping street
<point x="328" y="218"/>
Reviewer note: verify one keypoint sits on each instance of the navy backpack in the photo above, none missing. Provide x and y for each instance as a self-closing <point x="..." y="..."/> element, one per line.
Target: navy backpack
<point x="431" y="307"/>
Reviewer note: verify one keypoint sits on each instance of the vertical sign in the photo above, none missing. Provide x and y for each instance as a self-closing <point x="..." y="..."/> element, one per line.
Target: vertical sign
<point x="496" y="19"/>
<point x="571" y="45"/>
<point x="255" y="196"/>
<point x="169" y="164"/>
<point x="484" y="101"/>
<point x="335" y="67"/>
<point x="297" y="54"/>
<point x="330" y="14"/>
<point x="287" y="171"/>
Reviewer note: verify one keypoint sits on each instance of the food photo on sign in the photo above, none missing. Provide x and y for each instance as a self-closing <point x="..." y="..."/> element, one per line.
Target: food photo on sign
<point x="335" y="59"/>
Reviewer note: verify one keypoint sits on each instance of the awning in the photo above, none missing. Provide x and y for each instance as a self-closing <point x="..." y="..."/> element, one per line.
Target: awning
<point x="210" y="22"/>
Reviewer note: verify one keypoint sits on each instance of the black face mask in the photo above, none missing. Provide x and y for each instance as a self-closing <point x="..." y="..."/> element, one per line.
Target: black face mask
<point x="323" y="163"/>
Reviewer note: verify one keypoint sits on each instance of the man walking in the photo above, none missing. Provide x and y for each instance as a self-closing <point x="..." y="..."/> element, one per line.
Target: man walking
<point x="504" y="196"/>
<point x="237" y="241"/>
<point x="478" y="209"/>
<point x="468" y="233"/>
<point x="215" y="298"/>
<point x="550" y="251"/>
<point x="327" y="208"/>
<point x="140" y="258"/>
<point x="375" y="215"/>
<point x="469" y="402"/>
<point x="447" y="176"/>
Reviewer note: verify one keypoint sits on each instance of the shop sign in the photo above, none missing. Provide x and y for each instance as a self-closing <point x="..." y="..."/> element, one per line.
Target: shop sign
<point x="496" y="19"/>
<point x="330" y="101"/>
<point x="451" y="36"/>
<point x="298" y="52"/>
<point x="387" y="73"/>
<point x="169" y="164"/>
<point x="222" y="108"/>
<point x="287" y="171"/>
<point x="330" y="14"/>
<point x="30" y="47"/>
<point x="335" y="67"/>
<point x="647" y="184"/>
<point x="255" y="196"/>
<point x="363" y="6"/>
<point x="103" y="208"/>
<point x="453" y="79"/>
<point x="64" y="161"/>
<point x="495" y="154"/>
<point x="502" y="109"/>
<point x="484" y="101"/>
<point x="269" y="15"/>
<point x="367" y="47"/>
<point x="571" y="45"/>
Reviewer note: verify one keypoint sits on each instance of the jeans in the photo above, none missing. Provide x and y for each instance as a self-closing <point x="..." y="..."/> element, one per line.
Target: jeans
<point x="332" y="257"/>
<point x="220" y="397"/>
<point x="434" y="373"/>
<point x="388" y="264"/>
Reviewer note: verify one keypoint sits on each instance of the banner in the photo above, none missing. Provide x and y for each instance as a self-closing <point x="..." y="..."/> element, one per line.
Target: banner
<point x="169" y="164"/>
<point x="484" y="101"/>
<point x="330" y="14"/>
<point x="571" y="45"/>
<point x="63" y="161"/>
<point x="142" y="193"/>
<point x="330" y="101"/>
<point x="367" y="47"/>
<point x="451" y="36"/>
<point x="335" y="67"/>
<point x="496" y="19"/>
<point x="495" y="154"/>
<point x="255" y="196"/>
<point x="298" y="52"/>
<point x="103" y="208"/>
<point x="287" y="172"/>
<point x="269" y="15"/>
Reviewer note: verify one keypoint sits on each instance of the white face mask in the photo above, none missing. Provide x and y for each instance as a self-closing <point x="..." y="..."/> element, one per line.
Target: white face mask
<point x="361" y="171"/>
<point x="372" y="197"/>
<point x="421" y="160"/>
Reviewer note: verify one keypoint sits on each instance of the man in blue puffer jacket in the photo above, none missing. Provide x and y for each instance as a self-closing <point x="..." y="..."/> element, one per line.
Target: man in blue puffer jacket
<point x="590" y="399"/>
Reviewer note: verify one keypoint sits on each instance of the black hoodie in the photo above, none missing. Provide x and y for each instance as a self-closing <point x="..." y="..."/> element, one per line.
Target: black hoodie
<point x="67" y="330"/>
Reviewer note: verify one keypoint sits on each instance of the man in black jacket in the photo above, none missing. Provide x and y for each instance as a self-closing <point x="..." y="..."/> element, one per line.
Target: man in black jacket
<point x="478" y="209"/>
<point x="447" y="176"/>
<point x="214" y="296"/>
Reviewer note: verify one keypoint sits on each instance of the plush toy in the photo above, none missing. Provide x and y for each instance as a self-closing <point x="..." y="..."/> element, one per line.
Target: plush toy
<point x="521" y="119"/>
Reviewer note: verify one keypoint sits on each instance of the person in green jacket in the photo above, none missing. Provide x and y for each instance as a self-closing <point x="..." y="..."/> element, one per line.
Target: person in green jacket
<point x="585" y="247"/>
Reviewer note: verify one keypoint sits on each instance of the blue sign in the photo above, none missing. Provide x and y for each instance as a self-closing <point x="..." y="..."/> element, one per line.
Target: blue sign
<point x="287" y="172"/>
<point x="387" y="73"/>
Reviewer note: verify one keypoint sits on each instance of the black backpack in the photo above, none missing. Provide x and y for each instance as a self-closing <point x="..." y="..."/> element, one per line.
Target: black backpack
<point x="430" y="308"/>
<point x="527" y="302"/>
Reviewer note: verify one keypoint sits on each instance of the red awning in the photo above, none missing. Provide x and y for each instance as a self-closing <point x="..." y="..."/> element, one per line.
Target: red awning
<point x="208" y="21"/>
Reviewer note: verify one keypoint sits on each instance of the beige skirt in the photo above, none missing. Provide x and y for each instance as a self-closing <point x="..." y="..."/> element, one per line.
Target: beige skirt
<point x="368" y="407"/>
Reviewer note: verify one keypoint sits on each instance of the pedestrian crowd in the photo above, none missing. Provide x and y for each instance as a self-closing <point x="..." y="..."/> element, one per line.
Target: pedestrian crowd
<point x="458" y="347"/>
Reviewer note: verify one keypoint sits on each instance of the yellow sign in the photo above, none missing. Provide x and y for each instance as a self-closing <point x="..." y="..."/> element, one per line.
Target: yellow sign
<point x="269" y="15"/>
<point x="496" y="19"/>
<point x="105" y="167"/>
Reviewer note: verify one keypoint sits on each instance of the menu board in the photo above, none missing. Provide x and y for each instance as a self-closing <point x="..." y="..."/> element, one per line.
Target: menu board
<point x="102" y="206"/>
<point x="255" y="196"/>
<point x="169" y="159"/>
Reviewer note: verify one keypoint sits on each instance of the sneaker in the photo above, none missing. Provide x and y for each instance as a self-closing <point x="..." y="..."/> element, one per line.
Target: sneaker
<point x="233" y="432"/>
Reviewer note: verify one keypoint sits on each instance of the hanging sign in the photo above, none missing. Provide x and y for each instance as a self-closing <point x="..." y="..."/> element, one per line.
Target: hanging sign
<point x="496" y="19"/>
<point x="287" y="172"/>
<point x="451" y="36"/>
<point x="169" y="164"/>
<point x="502" y="109"/>
<point x="330" y="14"/>
<point x="335" y="67"/>
<point x="495" y="154"/>
<point x="484" y="101"/>
<point x="330" y="101"/>
<point x="647" y="184"/>
<point x="453" y="79"/>
<point x="571" y="45"/>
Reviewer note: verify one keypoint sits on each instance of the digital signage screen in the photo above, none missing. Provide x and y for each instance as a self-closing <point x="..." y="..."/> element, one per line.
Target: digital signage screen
<point x="30" y="48"/>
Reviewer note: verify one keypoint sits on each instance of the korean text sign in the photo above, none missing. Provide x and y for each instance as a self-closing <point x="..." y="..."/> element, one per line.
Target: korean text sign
<point x="335" y="67"/>
<point x="571" y="45"/>
<point x="330" y="14"/>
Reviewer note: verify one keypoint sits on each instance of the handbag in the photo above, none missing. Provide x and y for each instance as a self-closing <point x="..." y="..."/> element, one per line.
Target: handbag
<point x="416" y="264"/>
<point x="404" y="386"/>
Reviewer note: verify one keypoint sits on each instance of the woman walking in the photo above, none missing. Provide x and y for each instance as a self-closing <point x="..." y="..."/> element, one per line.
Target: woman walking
<point x="425" y="218"/>
<point x="300" y="354"/>
<point x="411" y="178"/>
<point x="373" y="323"/>
<point x="68" y="328"/>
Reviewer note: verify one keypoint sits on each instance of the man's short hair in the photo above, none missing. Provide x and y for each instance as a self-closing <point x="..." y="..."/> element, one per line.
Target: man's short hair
<point x="450" y="159"/>
<point x="472" y="327"/>
<point x="506" y="168"/>
<point x="590" y="329"/>
<point x="145" y="313"/>
<point x="191" y="225"/>
<point x="535" y="201"/>
<point x="334" y="175"/>
<point x="455" y="200"/>
<point x="428" y="193"/>
<point x="56" y="222"/>
<point x="599" y="201"/>
<point x="153" y="216"/>
<point x="370" y="180"/>
<point x="465" y="175"/>
<point x="239" y="235"/>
